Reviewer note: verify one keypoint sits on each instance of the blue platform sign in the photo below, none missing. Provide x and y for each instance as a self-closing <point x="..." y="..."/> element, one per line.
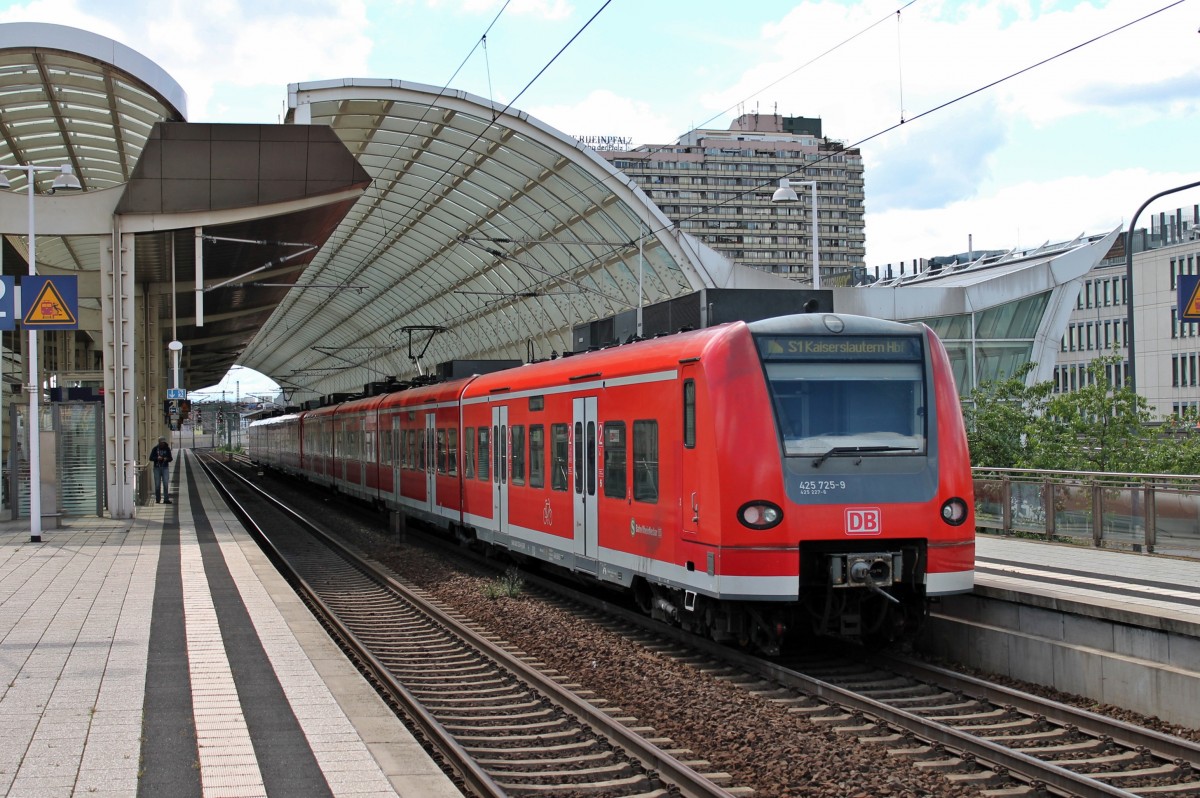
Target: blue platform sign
<point x="177" y="393"/>
<point x="50" y="303"/>
<point x="8" y="303"/>
<point x="1188" y="298"/>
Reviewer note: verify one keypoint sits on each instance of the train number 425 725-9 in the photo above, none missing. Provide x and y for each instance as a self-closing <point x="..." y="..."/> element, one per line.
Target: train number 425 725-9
<point x="821" y="485"/>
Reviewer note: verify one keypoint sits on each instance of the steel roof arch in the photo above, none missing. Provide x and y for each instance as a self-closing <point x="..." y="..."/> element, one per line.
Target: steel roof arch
<point x="481" y="220"/>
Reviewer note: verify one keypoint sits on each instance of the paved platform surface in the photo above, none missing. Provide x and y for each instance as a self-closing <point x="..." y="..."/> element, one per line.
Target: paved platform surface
<point x="164" y="656"/>
<point x="1148" y="590"/>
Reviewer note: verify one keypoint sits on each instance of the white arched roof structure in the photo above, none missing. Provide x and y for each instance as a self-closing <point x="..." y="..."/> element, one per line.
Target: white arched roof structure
<point x="485" y="234"/>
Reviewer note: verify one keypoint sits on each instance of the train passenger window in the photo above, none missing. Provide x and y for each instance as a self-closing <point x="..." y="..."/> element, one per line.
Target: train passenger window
<point x="537" y="402"/>
<point x="469" y="452"/>
<point x="537" y="456"/>
<point x="579" y="456"/>
<point x="441" y="451"/>
<point x="452" y="451"/>
<point x="422" y="450"/>
<point x="558" y="457"/>
<point x="614" y="459"/>
<point x="518" y="455"/>
<point x="645" y="461"/>
<point x="689" y="413"/>
<point x="483" y="453"/>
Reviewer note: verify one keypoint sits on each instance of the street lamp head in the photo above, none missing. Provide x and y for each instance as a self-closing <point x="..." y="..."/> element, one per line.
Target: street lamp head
<point x="66" y="180"/>
<point x="785" y="193"/>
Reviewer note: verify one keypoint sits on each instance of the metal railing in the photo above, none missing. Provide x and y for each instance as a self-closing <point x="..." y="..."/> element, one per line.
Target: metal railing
<point x="1156" y="513"/>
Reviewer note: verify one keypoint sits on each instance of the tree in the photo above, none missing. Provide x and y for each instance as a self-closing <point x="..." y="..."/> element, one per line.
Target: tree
<point x="1000" y="415"/>
<point x="1175" y="449"/>
<point x="1098" y="427"/>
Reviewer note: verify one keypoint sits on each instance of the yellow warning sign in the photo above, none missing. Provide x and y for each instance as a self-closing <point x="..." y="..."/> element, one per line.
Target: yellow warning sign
<point x="1192" y="308"/>
<point x="49" y="308"/>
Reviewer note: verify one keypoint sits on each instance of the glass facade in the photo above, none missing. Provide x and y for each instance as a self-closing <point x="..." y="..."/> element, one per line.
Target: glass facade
<point x="991" y="344"/>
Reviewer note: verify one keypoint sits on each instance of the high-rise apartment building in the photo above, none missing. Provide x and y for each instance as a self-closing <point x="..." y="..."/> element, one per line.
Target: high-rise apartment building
<point x="717" y="184"/>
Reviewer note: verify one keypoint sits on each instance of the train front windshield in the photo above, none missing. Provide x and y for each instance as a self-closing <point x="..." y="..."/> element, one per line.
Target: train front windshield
<point x="847" y="394"/>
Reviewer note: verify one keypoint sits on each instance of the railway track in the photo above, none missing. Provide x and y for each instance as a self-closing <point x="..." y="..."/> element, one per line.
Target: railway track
<point x="1003" y="741"/>
<point x="502" y="724"/>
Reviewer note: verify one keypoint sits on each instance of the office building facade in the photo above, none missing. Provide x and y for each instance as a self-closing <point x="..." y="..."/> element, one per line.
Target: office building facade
<point x="1167" y="350"/>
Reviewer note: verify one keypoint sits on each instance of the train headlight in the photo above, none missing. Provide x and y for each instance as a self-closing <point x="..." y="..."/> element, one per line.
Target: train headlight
<point x="954" y="511"/>
<point x="760" y="514"/>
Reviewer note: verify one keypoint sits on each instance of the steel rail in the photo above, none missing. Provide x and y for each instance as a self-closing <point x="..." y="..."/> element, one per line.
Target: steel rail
<point x="688" y="781"/>
<point x="449" y="748"/>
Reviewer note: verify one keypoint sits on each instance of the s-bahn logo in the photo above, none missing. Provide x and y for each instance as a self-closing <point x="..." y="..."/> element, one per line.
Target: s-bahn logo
<point x="863" y="521"/>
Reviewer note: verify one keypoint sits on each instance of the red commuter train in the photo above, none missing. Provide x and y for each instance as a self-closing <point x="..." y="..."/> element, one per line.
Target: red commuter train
<point x="807" y="472"/>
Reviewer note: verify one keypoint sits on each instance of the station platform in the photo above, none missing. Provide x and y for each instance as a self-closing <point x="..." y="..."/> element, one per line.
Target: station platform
<point x="1119" y="628"/>
<point x="1143" y="590"/>
<point x="164" y="655"/>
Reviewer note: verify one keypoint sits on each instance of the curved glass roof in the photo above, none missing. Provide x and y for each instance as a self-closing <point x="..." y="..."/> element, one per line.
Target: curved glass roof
<point x="71" y="97"/>
<point x="485" y="234"/>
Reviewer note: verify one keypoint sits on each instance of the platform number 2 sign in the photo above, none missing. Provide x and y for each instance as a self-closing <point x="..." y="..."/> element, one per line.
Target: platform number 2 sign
<point x="8" y="293"/>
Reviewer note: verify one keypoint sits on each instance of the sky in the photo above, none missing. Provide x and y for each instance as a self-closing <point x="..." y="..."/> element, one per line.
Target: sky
<point x="955" y="150"/>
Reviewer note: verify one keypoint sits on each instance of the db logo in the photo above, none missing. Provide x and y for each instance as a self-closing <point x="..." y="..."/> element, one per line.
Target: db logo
<point x="863" y="521"/>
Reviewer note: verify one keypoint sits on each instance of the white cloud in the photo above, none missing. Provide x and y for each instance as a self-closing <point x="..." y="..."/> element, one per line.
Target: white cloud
<point x="545" y="9"/>
<point x="605" y="113"/>
<point x="233" y="45"/>
<point x="1025" y="215"/>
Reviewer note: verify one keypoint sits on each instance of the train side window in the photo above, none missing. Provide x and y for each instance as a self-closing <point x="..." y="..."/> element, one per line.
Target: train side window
<point x="537" y="456"/>
<point x="579" y="457"/>
<point x="483" y="454"/>
<point x="689" y="414"/>
<point x="645" y="461"/>
<point x="469" y="452"/>
<point x="441" y="451"/>
<point x="452" y="451"/>
<point x="558" y="454"/>
<point x="614" y="459"/>
<point x="518" y="455"/>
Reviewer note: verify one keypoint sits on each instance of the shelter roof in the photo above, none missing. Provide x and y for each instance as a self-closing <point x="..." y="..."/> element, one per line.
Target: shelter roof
<point x="486" y="234"/>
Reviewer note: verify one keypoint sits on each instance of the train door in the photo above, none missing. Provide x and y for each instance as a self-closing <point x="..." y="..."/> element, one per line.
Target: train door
<point x="689" y="455"/>
<point x="583" y="444"/>
<point x="500" y="467"/>
<point x="430" y="461"/>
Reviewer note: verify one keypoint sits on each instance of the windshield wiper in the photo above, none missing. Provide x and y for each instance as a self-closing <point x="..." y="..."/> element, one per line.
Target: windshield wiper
<point x="858" y="450"/>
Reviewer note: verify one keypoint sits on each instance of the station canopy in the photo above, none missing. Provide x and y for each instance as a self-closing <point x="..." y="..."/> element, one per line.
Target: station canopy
<point x="468" y="230"/>
<point x="485" y="234"/>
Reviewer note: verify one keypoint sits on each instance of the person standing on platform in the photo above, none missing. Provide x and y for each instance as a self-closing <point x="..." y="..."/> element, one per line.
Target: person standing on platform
<point x="160" y="458"/>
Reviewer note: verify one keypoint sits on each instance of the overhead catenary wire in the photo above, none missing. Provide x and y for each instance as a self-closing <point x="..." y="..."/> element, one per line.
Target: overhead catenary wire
<point x="654" y="231"/>
<point x="386" y="234"/>
<point x="890" y="128"/>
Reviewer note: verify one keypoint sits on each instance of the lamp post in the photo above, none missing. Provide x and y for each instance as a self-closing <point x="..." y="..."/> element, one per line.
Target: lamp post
<point x="1130" y="338"/>
<point x="66" y="181"/>
<point x="785" y="193"/>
